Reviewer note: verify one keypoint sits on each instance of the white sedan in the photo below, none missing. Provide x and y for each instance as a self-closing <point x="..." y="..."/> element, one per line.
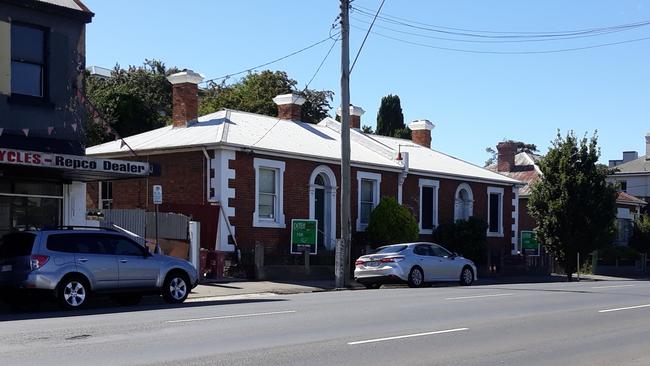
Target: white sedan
<point x="415" y="264"/>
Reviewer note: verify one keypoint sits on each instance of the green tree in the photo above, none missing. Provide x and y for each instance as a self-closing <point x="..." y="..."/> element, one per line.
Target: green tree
<point x="391" y="223"/>
<point x="132" y="100"/>
<point x="366" y="129"/>
<point x="573" y="204"/>
<point x="467" y="237"/>
<point x="255" y="92"/>
<point x="521" y="147"/>
<point x="640" y="240"/>
<point x="390" y="119"/>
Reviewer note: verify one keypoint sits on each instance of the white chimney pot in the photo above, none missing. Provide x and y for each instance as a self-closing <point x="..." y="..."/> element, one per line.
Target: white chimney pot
<point x="187" y="76"/>
<point x="291" y="98"/>
<point x="421" y="124"/>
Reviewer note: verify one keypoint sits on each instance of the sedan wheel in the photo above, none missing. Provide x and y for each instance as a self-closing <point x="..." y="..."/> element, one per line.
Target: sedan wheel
<point x="466" y="276"/>
<point x="416" y="277"/>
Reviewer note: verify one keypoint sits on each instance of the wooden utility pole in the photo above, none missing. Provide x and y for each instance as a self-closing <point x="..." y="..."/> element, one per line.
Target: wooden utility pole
<point x="342" y="265"/>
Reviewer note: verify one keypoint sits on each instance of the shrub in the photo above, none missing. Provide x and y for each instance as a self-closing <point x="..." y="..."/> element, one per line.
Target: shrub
<point x="467" y="237"/>
<point x="640" y="240"/>
<point x="391" y="223"/>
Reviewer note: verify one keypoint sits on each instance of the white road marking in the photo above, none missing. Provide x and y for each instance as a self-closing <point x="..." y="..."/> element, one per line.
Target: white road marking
<point x="626" y="308"/>
<point x="476" y="297"/>
<point x="231" y="316"/>
<point x="407" y="336"/>
<point x="613" y="286"/>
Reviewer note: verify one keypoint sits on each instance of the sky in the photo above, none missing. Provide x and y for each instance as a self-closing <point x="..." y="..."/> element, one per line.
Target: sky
<point x="475" y="100"/>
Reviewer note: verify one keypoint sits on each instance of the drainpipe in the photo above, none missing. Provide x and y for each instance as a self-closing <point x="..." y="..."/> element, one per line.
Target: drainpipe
<point x="206" y="167"/>
<point x="403" y="158"/>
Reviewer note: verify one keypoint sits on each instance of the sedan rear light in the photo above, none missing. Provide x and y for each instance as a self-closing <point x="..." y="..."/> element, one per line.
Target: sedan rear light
<point x="37" y="261"/>
<point x="359" y="262"/>
<point x="391" y="259"/>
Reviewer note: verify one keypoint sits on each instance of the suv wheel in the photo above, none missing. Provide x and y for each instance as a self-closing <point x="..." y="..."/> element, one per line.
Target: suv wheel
<point x="73" y="292"/>
<point x="176" y="288"/>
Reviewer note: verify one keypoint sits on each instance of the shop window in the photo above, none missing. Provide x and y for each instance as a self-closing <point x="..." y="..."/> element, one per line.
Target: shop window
<point x="28" y="60"/>
<point x="269" y="180"/>
<point x="428" y="205"/>
<point x="106" y="196"/>
<point x="368" y="197"/>
<point x="495" y="211"/>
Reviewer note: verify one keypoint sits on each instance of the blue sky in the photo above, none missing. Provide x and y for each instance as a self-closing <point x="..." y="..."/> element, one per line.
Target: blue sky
<point x="475" y="100"/>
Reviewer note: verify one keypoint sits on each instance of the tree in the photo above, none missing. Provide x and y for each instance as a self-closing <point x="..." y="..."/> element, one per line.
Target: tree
<point x="573" y="204"/>
<point x="132" y="100"/>
<point x="255" y="92"/>
<point x="467" y="237"/>
<point x="640" y="240"/>
<point x="366" y="129"/>
<point x="390" y="119"/>
<point x="391" y="223"/>
<point x="521" y="147"/>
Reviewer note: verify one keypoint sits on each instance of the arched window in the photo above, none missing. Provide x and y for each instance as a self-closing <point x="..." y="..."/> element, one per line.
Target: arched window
<point x="463" y="202"/>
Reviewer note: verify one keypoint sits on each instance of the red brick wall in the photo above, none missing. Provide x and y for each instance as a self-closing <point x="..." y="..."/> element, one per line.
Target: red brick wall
<point x="92" y="196"/>
<point x="526" y="222"/>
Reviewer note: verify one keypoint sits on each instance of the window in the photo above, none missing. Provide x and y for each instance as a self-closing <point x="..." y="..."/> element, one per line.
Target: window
<point x="106" y="196"/>
<point x="269" y="179"/>
<point x="391" y="249"/>
<point x="16" y="245"/>
<point x="127" y="247"/>
<point x="495" y="211"/>
<point x="622" y="185"/>
<point x="368" y="197"/>
<point x="439" y="251"/>
<point x="428" y="205"/>
<point x="422" y="249"/>
<point x="463" y="202"/>
<point x="80" y="243"/>
<point x="28" y="56"/>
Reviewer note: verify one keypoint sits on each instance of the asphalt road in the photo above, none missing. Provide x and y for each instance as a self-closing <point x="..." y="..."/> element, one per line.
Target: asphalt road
<point x="586" y="323"/>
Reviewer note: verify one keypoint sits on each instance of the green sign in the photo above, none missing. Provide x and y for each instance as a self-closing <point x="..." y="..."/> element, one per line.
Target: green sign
<point x="304" y="234"/>
<point x="529" y="244"/>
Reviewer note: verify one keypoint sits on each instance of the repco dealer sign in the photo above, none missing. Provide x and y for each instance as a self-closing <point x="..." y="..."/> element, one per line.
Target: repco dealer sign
<point x="72" y="162"/>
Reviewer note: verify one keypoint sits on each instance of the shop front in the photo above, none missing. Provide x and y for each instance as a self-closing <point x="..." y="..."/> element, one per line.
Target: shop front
<point x="40" y="190"/>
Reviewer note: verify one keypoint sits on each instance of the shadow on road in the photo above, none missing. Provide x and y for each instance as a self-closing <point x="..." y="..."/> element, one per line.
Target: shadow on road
<point x="101" y="305"/>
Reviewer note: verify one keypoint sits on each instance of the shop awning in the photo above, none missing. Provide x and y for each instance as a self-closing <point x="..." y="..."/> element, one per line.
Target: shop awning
<point x="72" y="167"/>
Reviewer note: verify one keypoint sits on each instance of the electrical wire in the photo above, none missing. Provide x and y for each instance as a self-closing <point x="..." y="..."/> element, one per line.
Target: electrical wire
<point x="506" y="52"/>
<point x="367" y="34"/>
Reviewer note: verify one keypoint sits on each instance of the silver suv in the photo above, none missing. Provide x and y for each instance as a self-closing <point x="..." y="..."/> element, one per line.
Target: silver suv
<point x="75" y="263"/>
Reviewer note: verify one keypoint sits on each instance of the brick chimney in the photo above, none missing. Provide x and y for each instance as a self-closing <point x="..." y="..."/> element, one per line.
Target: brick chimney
<point x="185" y="99"/>
<point x="506" y="156"/>
<point x="289" y="106"/>
<point x="421" y="132"/>
<point x="355" y="116"/>
<point x="647" y="146"/>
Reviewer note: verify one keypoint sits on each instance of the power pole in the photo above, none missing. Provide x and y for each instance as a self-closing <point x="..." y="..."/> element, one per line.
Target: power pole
<point x="342" y="265"/>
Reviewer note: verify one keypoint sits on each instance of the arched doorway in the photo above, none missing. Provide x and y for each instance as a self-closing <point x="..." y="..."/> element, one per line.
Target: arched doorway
<point x="464" y="202"/>
<point x="322" y="205"/>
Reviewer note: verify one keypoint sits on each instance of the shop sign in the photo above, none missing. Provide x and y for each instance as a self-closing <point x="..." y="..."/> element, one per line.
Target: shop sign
<point x="303" y="236"/>
<point x="72" y="162"/>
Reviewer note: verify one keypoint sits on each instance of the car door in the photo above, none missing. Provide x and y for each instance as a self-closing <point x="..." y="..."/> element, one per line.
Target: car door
<point x="448" y="266"/>
<point x="137" y="269"/>
<point x="92" y="256"/>
<point x="423" y="258"/>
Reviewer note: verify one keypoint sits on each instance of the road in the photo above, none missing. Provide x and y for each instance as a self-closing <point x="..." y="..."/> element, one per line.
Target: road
<point x="586" y="323"/>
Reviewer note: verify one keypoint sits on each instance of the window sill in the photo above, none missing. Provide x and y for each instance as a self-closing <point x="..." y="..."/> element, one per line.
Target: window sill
<point x="494" y="235"/>
<point x="426" y="231"/>
<point x="29" y="100"/>
<point x="269" y="224"/>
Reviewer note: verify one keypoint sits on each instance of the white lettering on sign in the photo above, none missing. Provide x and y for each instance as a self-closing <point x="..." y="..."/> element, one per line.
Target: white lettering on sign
<point x="72" y="162"/>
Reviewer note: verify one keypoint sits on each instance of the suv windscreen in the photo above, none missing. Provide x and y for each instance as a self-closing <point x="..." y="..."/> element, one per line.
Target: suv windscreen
<point x="16" y="245"/>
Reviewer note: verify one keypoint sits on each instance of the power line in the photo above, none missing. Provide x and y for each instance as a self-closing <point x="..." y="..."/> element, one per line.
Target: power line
<point x="396" y="19"/>
<point x="321" y="64"/>
<point x="367" y="34"/>
<point x="507" y="52"/>
<point x="270" y="62"/>
<point x="491" y="41"/>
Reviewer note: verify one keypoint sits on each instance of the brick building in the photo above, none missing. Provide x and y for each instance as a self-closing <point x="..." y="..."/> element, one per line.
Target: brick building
<point x="251" y="174"/>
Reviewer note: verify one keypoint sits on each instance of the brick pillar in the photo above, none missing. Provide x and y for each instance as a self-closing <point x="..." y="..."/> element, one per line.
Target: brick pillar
<point x="185" y="99"/>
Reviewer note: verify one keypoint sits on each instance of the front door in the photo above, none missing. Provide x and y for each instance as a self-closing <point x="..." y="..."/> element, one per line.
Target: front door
<point x="319" y="215"/>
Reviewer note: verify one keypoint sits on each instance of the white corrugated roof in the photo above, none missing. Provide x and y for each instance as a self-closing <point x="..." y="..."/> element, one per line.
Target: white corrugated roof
<point x="322" y="141"/>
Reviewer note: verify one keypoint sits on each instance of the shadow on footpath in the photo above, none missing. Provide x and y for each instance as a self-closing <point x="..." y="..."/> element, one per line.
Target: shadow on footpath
<point x="104" y="305"/>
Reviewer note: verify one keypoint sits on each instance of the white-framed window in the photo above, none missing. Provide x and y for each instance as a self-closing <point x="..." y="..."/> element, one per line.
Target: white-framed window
<point x="105" y="195"/>
<point x="495" y="211"/>
<point x="428" y="205"/>
<point x="463" y="202"/>
<point x="367" y="197"/>
<point x="269" y="183"/>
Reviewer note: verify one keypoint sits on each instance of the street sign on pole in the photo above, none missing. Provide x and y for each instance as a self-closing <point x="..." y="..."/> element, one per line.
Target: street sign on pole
<point x="304" y="235"/>
<point x="157" y="194"/>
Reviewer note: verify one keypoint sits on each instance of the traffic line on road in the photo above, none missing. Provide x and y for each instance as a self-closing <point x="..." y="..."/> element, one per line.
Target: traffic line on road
<point x="625" y="308"/>
<point x="231" y="316"/>
<point x="407" y="336"/>
<point x="613" y="286"/>
<point x="476" y="297"/>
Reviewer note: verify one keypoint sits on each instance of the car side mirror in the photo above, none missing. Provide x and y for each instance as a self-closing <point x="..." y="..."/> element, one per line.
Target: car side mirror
<point x="147" y="252"/>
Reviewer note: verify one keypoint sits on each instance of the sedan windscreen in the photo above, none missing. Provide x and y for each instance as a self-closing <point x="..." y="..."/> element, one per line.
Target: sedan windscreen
<point x="391" y="249"/>
<point x="16" y="245"/>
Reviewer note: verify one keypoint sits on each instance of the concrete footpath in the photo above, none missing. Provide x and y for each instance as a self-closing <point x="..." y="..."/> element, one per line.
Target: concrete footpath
<point x="215" y="289"/>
